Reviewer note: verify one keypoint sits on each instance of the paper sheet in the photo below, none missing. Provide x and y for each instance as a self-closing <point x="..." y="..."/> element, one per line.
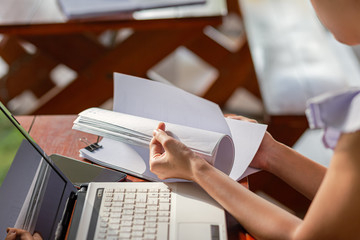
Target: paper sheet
<point x="166" y="103"/>
<point x="247" y="137"/>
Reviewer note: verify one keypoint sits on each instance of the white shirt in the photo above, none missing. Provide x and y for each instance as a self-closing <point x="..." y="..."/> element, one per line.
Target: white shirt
<point x="335" y="112"/>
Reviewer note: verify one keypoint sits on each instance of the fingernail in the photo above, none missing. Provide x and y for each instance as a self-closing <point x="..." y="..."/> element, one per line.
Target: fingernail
<point x="155" y="132"/>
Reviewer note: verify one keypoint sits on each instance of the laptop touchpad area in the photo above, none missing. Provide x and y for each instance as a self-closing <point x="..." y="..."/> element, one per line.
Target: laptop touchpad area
<point x="198" y="231"/>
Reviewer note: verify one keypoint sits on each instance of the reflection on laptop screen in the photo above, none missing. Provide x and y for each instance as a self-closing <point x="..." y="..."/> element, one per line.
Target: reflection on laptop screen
<point x="32" y="193"/>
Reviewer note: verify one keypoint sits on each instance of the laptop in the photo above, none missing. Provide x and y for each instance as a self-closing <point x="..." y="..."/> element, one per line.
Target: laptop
<point x="37" y="196"/>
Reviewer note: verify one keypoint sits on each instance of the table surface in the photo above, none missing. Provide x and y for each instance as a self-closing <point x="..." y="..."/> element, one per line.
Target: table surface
<point x="54" y="135"/>
<point x="45" y="17"/>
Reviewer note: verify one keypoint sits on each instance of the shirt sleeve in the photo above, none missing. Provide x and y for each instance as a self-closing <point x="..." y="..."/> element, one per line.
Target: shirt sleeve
<point x="335" y="112"/>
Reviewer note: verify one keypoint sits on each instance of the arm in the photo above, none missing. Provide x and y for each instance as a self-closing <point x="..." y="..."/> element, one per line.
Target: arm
<point x="170" y="158"/>
<point x="331" y="216"/>
<point x="277" y="159"/>
<point x="336" y="208"/>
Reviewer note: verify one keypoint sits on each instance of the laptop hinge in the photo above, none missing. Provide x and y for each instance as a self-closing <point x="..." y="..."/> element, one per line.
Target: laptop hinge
<point x="74" y="225"/>
<point x="64" y="223"/>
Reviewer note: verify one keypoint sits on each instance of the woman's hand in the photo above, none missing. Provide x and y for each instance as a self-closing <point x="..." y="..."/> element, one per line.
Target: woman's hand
<point x="15" y="233"/>
<point x="268" y="145"/>
<point x="170" y="158"/>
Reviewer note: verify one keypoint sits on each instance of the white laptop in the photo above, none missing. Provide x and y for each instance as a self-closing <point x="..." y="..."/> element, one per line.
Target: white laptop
<point x="35" y="195"/>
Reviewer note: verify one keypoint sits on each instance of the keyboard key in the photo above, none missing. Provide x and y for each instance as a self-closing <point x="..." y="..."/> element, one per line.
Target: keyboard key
<point x="149" y="236"/>
<point x="139" y="216"/>
<point x="138" y="228"/>
<point x="137" y="234"/>
<point x="126" y="223"/>
<point x="164" y="207"/>
<point x="163" y="219"/>
<point x="114" y="220"/>
<point x="151" y="219"/>
<point x="127" y="218"/>
<point x="130" y="195"/>
<point x="150" y="225"/>
<point x="125" y="235"/>
<point x="153" y="201"/>
<point x="125" y="229"/>
<point x="109" y="190"/>
<point x="162" y="231"/>
<point x="139" y="221"/>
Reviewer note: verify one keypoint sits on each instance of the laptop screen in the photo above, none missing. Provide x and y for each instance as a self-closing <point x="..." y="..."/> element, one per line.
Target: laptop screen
<point x="32" y="192"/>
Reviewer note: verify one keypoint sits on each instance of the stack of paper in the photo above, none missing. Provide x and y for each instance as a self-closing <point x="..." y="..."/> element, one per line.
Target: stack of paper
<point x="140" y="104"/>
<point x="135" y="130"/>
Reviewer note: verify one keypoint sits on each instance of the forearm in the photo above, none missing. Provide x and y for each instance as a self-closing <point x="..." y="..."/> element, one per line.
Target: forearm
<point x="260" y="218"/>
<point x="298" y="171"/>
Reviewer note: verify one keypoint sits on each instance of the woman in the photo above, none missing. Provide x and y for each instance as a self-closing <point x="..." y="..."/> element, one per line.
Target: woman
<point x="335" y="192"/>
<point x="332" y="214"/>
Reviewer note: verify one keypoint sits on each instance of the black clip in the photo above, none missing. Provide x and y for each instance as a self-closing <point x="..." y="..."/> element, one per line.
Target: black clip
<point x="91" y="146"/>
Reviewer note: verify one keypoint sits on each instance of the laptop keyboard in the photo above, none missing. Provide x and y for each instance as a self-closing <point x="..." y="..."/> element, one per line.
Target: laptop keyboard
<point x="134" y="213"/>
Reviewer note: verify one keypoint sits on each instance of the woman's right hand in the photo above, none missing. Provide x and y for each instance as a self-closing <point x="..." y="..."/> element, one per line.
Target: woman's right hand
<point x="170" y="158"/>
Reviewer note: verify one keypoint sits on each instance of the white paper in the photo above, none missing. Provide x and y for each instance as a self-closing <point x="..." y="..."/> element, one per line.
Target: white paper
<point x="247" y="137"/>
<point x="124" y="157"/>
<point x="149" y="99"/>
<point x="158" y="101"/>
<point x="137" y="130"/>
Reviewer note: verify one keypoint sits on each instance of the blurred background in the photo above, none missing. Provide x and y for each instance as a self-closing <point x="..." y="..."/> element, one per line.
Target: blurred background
<point x="37" y="66"/>
<point x="258" y="58"/>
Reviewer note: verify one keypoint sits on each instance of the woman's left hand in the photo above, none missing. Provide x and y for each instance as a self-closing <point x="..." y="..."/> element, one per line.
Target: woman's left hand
<point x="15" y="233"/>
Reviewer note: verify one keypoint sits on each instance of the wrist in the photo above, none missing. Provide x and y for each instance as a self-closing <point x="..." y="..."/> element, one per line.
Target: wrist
<point x="200" y="168"/>
<point x="276" y="153"/>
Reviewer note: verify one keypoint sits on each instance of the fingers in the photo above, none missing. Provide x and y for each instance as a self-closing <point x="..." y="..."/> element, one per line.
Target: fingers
<point x="24" y="235"/>
<point x="11" y="234"/>
<point x="241" y="118"/>
<point x="156" y="148"/>
<point x="161" y="126"/>
<point x="160" y="135"/>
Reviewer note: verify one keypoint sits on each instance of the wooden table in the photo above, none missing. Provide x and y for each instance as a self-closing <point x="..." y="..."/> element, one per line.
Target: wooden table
<point x="54" y="135"/>
<point x="55" y="41"/>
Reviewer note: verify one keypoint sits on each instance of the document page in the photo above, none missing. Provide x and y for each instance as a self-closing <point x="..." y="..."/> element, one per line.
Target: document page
<point x="158" y="101"/>
<point x="247" y="137"/>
